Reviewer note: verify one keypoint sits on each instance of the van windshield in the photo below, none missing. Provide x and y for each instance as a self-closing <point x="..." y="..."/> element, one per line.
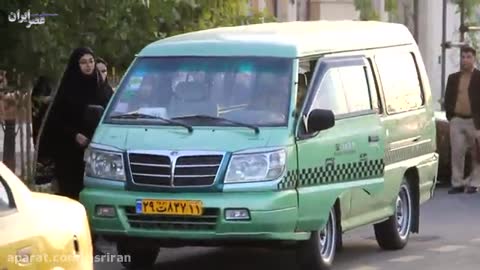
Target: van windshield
<point x="249" y="90"/>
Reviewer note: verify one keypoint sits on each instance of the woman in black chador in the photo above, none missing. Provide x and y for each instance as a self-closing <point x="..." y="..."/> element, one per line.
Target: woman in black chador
<point x="66" y="130"/>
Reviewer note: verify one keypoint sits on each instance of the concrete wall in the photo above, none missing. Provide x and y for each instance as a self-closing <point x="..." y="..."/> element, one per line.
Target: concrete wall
<point x="334" y="9"/>
<point x="288" y="10"/>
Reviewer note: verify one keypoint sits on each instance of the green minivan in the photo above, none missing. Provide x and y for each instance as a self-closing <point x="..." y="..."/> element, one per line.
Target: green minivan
<point x="278" y="134"/>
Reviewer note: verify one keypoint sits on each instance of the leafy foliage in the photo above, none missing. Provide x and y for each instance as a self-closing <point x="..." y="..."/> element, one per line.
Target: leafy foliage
<point x="115" y="30"/>
<point x="367" y="10"/>
<point x="469" y="7"/>
<point x="391" y="5"/>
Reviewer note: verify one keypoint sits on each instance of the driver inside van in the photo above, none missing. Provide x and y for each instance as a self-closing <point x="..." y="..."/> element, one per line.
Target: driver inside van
<point x="273" y="96"/>
<point x="154" y="92"/>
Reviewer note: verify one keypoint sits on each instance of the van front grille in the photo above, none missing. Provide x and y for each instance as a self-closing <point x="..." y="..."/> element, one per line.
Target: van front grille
<point x="188" y="170"/>
<point x="150" y="169"/>
<point x="196" y="170"/>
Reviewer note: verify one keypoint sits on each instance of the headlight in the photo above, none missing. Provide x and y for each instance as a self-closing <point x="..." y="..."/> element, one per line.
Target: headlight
<point x="104" y="164"/>
<point x="256" y="167"/>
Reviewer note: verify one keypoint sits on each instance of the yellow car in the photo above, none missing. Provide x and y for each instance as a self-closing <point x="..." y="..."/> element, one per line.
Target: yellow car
<point x="41" y="231"/>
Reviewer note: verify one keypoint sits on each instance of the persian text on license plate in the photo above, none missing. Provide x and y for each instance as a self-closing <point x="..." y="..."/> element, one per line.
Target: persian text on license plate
<point x="170" y="207"/>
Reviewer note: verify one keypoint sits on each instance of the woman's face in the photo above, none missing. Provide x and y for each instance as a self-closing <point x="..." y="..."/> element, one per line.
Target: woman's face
<point x="103" y="70"/>
<point x="87" y="64"/>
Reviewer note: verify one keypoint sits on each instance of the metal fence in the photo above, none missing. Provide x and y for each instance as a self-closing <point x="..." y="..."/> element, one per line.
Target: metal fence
<point x="16" y="143"/>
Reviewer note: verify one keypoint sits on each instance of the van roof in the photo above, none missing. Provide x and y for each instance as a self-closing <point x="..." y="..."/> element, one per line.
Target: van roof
<point x="282" y="39"/>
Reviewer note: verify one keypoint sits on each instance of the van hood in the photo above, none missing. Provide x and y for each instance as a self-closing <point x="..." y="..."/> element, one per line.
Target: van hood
<point x="228" y="139"/>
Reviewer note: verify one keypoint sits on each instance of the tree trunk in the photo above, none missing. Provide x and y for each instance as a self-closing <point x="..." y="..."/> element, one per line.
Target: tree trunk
<point x="29" y="137"/>
<point x="21" y="122"/>
<point x="9" y="144"/>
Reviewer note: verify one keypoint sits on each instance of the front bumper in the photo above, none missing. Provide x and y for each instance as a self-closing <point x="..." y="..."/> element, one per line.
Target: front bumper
<point x="273" y="216"/>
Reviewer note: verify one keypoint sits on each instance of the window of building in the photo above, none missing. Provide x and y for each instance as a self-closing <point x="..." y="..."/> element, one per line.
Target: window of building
<point x="400" y="81"/>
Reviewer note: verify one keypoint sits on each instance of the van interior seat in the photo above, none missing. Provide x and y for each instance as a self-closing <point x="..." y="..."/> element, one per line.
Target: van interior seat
<point x="192" y="98"/>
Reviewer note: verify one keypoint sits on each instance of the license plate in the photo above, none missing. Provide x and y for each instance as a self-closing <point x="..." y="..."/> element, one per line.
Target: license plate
<point x="170" y="207"/>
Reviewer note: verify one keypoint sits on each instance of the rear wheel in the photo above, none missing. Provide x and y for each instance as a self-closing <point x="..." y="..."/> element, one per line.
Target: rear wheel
<point x="394" y="233"/>
<point x="318" y="252"/>
<point x="139" y="257"/>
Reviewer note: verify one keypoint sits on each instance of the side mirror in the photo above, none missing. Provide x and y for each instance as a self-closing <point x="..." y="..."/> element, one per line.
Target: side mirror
<point x="319" y="120"/>
<point x="92" y="117"/>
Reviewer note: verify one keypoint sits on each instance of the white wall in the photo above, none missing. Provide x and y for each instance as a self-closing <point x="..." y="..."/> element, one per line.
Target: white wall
<point x="287" y="11"/>
<point x="338" y="10"/>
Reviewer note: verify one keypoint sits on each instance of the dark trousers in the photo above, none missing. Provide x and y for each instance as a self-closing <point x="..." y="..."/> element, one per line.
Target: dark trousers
<point x="69" y="173"/>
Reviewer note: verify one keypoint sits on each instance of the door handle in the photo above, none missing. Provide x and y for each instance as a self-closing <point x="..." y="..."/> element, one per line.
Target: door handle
<point x="416" y="139"/>
<point x="373" y="138"/>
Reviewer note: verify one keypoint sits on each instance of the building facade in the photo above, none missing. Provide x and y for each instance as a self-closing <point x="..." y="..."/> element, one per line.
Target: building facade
<point x="303" y="10"/>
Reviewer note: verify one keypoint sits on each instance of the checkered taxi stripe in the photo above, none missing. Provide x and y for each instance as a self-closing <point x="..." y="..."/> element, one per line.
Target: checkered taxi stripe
<point x="342" y="172"/>
<point x="289" y="180"/>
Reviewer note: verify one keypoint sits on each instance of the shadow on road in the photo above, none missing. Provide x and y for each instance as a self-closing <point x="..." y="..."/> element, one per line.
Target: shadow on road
<point x="233" y="259"/>
<point x="258" y="259"/>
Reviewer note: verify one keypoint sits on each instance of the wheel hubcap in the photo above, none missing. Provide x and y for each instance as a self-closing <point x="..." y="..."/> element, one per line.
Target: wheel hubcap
<point x="403" y="212"/>
<point x="327" y="238"/>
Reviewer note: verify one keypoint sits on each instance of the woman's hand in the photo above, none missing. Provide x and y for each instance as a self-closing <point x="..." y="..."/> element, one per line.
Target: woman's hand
<point x="81" y="140"/>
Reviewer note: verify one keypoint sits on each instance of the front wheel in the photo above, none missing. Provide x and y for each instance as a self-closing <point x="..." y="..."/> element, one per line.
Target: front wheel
<point x="318" y="252"/>
<point x="394" y="233"/>
<point x="139" y="257"/>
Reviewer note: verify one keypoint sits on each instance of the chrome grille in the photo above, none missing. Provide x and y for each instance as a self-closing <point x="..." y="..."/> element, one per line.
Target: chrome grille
<point x="150" y="169"/>
<point x="196" y="170"/>
<point x="188" y="170"/>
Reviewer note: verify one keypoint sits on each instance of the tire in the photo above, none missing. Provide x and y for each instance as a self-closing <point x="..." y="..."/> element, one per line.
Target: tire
<point x="393" y="234"/>
<point x="318" y="252"/>
<point x="140" y="257"/>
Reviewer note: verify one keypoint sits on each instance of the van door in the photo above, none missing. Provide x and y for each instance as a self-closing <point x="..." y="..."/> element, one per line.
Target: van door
<point x="408" y="121"/>
<point x="347" y="156"/>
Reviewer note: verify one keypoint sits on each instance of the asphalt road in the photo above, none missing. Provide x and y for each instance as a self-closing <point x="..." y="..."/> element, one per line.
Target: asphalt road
<point x="449" y="239"/>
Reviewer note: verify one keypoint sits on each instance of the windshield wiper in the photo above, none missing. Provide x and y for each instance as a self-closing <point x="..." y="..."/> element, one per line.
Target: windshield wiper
<point x="136" y="115"/>
<point x="215" y="118"/>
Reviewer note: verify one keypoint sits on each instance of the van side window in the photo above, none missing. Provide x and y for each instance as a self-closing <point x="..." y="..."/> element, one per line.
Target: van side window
<point x="303" y="81"/>
<point x="330" y="94"/>
<point x="373" y="86"/>
<point x="400" y="82"/>
<point x="355" y="86"/>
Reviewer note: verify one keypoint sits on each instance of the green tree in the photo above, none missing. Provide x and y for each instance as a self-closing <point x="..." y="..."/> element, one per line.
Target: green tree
<point x="469" y="8"/>
<point x="115" y="30"/>
<point x="367" y="10"/>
